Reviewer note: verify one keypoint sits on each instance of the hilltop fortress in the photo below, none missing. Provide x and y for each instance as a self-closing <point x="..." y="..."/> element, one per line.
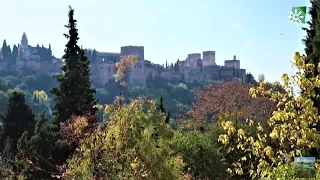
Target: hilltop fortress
<point x="193" y="68"/>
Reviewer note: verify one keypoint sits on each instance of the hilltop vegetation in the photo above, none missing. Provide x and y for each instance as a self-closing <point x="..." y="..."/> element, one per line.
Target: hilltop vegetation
<point x="214" y="130"/>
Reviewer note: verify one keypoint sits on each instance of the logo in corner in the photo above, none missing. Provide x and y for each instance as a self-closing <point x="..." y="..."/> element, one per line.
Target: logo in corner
<point x="298" y="14"/>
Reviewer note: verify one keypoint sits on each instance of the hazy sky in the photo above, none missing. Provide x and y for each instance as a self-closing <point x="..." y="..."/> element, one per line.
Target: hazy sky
<point x="258" y="31"/>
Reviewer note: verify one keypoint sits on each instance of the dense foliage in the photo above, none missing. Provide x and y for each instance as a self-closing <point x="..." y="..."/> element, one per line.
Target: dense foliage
<point x="134" y="143"/>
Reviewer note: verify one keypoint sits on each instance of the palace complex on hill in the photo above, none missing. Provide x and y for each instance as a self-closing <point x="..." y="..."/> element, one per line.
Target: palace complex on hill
<point x="193" y="68"/>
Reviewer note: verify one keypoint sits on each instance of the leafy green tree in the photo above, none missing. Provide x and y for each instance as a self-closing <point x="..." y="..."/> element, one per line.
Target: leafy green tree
<point x="250" y="79"/>
<point x="122" y="68"/>
<point x="3" y="100"/>
<point x="200" y="153"/>
<point x="32" y="160"/>
<point x="103" y="96"/>
<point x="3" y="85"/>
<point x="40" y="100"/>
<point x="40" y="147"/>
<point x="74" y="96"/>
<point x="16" y="119"/>
<point x="135" y="144"/>
<point x="31" y="81"/>
<point x="8" y="163"/>
<point x="137" y="91"/>
<point x="46" y="82"/>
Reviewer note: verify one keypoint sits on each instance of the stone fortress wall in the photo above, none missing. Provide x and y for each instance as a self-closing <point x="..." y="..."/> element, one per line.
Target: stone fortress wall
<point x="193" y="68"/>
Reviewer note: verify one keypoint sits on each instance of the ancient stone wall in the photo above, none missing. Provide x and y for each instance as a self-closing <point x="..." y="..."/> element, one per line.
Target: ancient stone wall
<point x="232" y="63"/>
<point x="211" y="72"/>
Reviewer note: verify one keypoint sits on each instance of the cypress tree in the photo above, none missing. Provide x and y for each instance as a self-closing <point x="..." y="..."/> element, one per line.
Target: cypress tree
<point x="161" y="108"/>
<point x="160" y="105"/>
<point x="16" y="119"/>
<point x="312" y="50"/>
<point x="14" y="53"/>
<point x="4" y="50"/>
<point x="311" y="31"/>
<point x="8" y="51"/>
<point x="74" y="96"/>
<point x="94" y="56"/>
<point x="250" y="79"/>
<point x="49" y="53"/>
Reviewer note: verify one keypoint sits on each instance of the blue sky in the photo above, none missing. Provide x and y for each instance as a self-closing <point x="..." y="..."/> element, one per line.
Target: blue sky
<point x="257" y="31"/>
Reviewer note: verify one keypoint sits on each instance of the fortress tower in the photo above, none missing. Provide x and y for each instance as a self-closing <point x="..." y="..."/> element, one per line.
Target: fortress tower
<point x="24" y="47"/>
<point x="232" y="63"/>
<point x="194" y="59"/>
<point x="136" y="74"/>
<point x="209" y="58"/>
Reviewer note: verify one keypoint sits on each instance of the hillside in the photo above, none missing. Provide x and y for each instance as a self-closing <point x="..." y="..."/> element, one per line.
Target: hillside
<point x="177" y="95"/>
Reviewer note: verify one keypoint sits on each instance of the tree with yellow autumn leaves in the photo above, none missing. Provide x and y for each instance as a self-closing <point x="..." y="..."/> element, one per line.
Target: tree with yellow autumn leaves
<point x="133" y="144"/>
<point x="292" y="131"/>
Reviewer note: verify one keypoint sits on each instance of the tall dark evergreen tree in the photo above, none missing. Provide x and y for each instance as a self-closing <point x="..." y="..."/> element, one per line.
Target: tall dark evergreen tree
<point x="49" y="53"/>
<point x="311" y="31"/>
<point x="41" y="145"/>
<point x="94" y="56"/>
<point x="312" y="50"/>
<point x="16" y="119"/>
<point x="74" y="96"/>
<point x="250" y="79"/>
<point x="5" y="50"/>
<point x="161" y="108"/>
<point x="175" y="67"/>
<point x="167" y="64"/>
<point x="8" y="52"/>
<point x="4" y="44"/>
<point x="14" y="53"/>
<point x="160" y="105"/>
